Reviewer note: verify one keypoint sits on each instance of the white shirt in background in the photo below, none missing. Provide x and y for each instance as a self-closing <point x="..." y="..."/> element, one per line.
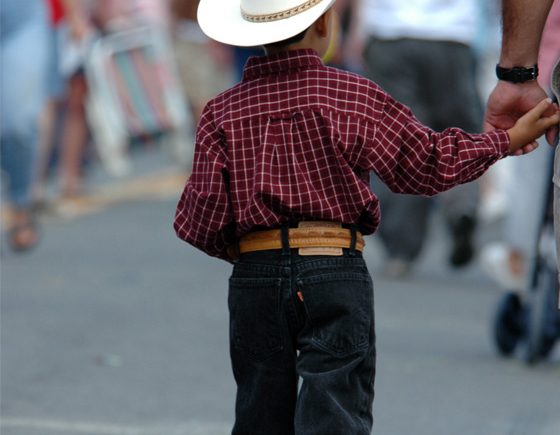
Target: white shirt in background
<point x="441" y="20"/>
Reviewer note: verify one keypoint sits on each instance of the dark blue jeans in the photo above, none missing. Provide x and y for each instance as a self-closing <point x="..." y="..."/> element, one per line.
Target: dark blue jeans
<point x="307" y="318"/>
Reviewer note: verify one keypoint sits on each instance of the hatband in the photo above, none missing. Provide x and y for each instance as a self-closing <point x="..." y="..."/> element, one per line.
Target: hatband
<point x="256" y="18"/>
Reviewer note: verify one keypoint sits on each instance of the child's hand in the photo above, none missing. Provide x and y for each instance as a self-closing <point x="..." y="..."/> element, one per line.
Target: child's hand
<point x="530" y="127"/>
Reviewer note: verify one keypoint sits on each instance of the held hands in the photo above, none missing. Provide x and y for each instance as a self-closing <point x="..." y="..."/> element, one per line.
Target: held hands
<point x="531" y="126"/>
<point x="508" y="102"/>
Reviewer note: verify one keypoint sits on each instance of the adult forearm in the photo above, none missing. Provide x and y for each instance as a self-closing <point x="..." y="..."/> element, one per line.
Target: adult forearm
<point x="523" y="22"/>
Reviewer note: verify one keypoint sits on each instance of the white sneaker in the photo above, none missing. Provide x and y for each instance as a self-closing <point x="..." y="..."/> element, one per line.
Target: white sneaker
<point x="494" y="260"/>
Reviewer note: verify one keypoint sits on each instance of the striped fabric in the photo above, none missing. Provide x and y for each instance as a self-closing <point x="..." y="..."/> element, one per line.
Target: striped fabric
<point x="296" y="140"/>
<point x="139" y="81"/>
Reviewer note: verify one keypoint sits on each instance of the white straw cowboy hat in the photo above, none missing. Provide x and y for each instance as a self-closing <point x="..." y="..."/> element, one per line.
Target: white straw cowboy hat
<point x="248" y="23"/>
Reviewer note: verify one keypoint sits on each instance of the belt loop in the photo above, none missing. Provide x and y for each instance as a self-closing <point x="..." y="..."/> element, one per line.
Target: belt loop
<point x="285" y="232"/>
<point x="352" y="250"/>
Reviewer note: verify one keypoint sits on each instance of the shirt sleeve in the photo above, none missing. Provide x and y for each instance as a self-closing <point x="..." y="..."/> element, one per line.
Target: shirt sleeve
<point x="204" y="216"/>
<point x="412" y="158"/>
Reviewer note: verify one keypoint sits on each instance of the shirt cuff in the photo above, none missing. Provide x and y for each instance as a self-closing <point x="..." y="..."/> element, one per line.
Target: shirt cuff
<point x="500" y="140"/>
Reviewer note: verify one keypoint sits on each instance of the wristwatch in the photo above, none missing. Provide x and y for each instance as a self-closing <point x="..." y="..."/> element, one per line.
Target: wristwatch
<point x="517" y="74"/>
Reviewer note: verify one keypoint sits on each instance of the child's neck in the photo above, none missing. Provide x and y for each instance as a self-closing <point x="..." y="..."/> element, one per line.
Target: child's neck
<point x="292" y="47"/>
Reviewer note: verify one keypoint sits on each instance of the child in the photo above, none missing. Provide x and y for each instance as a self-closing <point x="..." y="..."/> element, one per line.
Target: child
<point x="280" y="175"/>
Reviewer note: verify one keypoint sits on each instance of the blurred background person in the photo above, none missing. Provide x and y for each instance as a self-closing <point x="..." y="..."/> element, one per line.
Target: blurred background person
<point x="75" y="34"/>
<point x="417" y="51"/>
<point x="52" y="110"/>
<point x="348" y="43"/>
<point x="65" y="131"/>
<point x="205" y="66"/>
<point x="69" y="126"/>
<point x="23" y="54"/>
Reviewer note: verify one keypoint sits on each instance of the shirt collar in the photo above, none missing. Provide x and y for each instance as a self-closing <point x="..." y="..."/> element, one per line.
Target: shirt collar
<point x="286" y="61"/>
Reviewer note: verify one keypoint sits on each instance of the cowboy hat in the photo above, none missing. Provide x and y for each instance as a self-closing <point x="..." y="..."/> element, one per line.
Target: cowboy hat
<point x="249" y="23"/>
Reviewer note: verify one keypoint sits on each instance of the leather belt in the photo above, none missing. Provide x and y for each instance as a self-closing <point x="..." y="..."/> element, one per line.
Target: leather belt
<point x="316" y="236"/>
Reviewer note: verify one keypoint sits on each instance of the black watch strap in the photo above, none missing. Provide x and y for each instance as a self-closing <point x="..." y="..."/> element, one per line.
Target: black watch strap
<point x="517" y="74"/>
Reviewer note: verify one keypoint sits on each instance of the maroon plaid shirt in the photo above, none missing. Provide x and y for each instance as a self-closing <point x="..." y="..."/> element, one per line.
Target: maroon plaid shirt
<point x="296" y="140"/>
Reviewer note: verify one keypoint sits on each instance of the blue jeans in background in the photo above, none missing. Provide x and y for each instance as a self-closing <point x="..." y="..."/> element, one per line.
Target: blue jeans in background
<point x="23" y="62"/>
<point x="308" y="318"/>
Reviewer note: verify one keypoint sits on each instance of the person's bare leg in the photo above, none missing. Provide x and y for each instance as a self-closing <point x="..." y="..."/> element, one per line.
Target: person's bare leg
<point x="74" y="138"/>
<point x="47" y="127"/>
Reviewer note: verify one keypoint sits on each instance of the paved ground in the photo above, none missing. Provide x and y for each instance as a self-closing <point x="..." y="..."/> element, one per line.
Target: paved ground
<point x="112" y="326"/>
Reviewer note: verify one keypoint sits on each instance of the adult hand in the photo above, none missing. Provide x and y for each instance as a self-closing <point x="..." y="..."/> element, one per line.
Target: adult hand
<point x="510" y="101"/>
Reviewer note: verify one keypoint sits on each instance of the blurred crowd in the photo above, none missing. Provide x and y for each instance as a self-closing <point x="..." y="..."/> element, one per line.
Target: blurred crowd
<point x="84" y="82"/>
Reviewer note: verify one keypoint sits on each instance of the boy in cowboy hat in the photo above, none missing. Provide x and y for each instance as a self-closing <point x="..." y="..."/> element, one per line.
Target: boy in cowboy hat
<point x="280" y="186"/>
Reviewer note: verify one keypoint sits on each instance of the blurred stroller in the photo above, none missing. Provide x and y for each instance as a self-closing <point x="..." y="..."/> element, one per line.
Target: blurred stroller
<point x="135" y="94"/>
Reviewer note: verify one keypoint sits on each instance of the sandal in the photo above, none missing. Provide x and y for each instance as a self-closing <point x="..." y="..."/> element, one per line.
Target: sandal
<point x="24" y="236"/>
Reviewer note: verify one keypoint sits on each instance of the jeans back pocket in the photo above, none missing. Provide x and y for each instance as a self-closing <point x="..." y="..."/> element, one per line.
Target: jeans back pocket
<point x="340" y="310"/>
<point x="255" y="321"/>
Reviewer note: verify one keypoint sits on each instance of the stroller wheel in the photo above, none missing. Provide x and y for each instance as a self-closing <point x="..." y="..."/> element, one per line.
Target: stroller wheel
<point x="508" y="323"/>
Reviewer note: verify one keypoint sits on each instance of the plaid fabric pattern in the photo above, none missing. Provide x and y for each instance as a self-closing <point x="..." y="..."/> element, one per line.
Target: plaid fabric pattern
<point x="296" y="140"/>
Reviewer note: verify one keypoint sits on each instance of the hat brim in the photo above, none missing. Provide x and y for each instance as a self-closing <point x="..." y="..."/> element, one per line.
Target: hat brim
<point x="222" y="21"/>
